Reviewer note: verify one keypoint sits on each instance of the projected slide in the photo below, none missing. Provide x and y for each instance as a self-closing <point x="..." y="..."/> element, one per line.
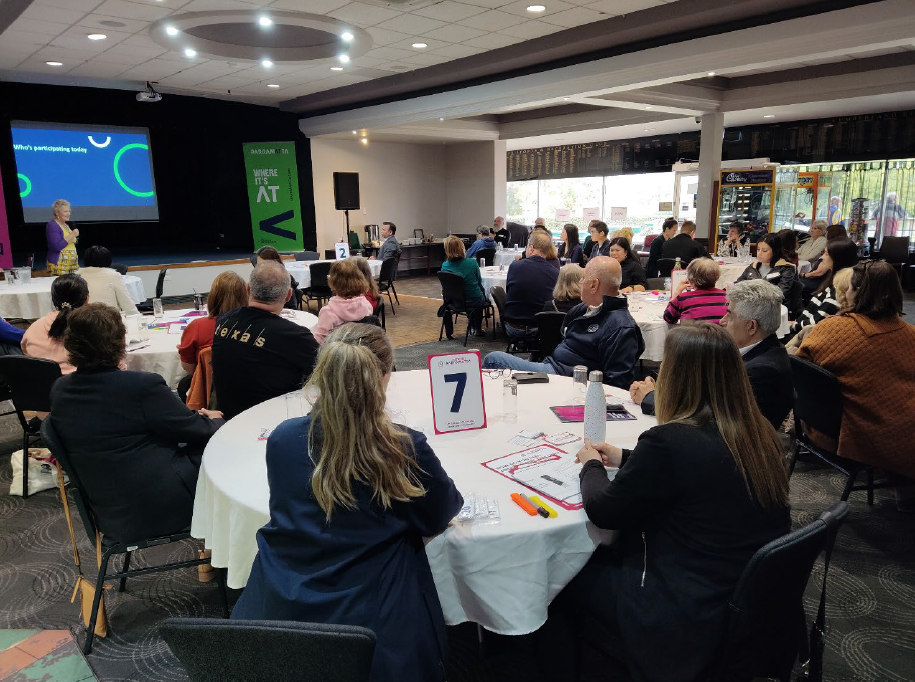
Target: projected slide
<point x="104" y="172"/>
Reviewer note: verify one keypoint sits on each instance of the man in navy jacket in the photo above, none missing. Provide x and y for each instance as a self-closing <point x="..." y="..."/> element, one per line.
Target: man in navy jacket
<point x="529" y="286"/>
<point x="599" y="333"/>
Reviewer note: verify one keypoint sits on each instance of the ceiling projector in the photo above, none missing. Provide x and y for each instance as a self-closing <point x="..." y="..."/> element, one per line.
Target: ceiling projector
<point x="149" y="94"/>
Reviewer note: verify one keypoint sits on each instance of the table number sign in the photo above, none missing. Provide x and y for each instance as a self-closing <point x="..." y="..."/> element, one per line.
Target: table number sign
<point x="342" y="250"/>
<point x="456" y="381"/>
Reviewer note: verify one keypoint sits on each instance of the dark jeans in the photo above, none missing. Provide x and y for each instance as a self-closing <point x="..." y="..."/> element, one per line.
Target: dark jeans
<point x="476" y="317"/>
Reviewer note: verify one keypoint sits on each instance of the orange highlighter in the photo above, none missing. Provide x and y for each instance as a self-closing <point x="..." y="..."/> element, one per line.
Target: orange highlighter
<point x="524" y="504"/>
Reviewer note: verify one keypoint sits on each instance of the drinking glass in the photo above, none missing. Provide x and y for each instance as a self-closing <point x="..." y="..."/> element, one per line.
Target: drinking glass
<point x="157" y="308"/>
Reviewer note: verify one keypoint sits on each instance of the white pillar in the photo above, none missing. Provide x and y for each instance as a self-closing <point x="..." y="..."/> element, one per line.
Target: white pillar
<point x="712" y="133"/>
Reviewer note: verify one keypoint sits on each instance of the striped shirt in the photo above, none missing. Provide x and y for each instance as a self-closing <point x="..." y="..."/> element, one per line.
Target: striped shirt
<point x="820" y="307"/>
<point x="697" y="304"/>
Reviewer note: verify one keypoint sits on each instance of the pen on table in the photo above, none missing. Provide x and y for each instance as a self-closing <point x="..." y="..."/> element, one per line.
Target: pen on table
<point x="540" y="510"/>
<point x="131" y="350"/>
<point x="540" y="503"/>
<point x="522" y="502"/>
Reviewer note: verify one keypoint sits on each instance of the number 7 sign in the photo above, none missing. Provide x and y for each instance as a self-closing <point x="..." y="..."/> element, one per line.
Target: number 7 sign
<point x="456" y="381"/>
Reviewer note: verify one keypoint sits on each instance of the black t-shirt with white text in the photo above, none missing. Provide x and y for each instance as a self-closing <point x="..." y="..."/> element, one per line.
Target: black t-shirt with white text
<point x="257" y="356"/>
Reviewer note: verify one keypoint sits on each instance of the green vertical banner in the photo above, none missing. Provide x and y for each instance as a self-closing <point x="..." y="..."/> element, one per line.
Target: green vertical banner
<point x="273" y="195"/>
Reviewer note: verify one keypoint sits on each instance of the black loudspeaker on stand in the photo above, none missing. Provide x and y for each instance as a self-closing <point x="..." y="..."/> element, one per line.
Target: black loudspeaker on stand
<point x="346" y="195"/>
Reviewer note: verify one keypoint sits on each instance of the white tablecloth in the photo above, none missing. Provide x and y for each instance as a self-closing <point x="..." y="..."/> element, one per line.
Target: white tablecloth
<point x="299" y="270"/>
<point x="160" y="353"/>
<point x="501" y="576"/>
<point x="33" y="300"/>
<point x="507" y="256"/>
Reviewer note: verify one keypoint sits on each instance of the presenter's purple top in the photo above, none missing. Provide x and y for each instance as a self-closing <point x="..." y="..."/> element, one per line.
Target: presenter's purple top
<point x="56" y="241"/>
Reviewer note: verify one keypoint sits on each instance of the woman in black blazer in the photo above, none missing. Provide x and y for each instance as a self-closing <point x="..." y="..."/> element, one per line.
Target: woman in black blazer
<point x="570" y="249"/>
<point x="134" y="445"/>
<point x="772" y="266"/>
<point x="693" y="501"/>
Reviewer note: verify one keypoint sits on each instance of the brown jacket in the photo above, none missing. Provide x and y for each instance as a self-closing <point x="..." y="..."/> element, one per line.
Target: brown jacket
<point x="199" y="394"/>
<point x="875" y="363"/>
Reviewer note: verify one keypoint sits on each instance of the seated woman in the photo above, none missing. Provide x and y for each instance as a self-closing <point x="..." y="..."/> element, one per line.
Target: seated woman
<point x="570" y="249"/>
<point x="45" y="336"/>
<point x="633" y="273"/>
<point x="789" y="245"/>
<point x="348" y="303"/>
<point x="567" y="292"/>
<point x="469" y="269"/>
<point x="693" y="501"/>
<point x="105" y="284"/>
<point x="349" y="508"/>
<point x="813" y="248"/>
<point x="844" y="299"/>
<point x="840" y="253"/>
<point x="697" y="298"/>
<point x="877" y="396"/>
<point x="624" y="232"/>
<point x="270" y="253"/>
<point x="135" y="445"/>
<point x="372" y="293"/>
<point x="735" y="240"/>
<point x="227" y="292"/>
<point x="771" y="265"/>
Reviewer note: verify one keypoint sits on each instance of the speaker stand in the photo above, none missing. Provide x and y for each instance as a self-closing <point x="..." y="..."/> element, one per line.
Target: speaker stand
<point x="346" y="236"/>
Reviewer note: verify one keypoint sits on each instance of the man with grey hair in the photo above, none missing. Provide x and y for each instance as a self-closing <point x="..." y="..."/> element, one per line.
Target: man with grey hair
<point x="484" y="241"/>
<point x="599" y="333"/>
<point x="754" y="315"/>
<point x="257" y="354"/>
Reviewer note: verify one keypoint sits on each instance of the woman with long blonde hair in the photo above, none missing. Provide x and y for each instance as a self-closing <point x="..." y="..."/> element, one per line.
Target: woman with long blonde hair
<point x="351" y="497"/>
<point x="693" y="501"/>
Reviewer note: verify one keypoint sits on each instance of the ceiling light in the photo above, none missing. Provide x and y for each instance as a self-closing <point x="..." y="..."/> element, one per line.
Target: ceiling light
<point x="566" y="99"/>
<point x="768" y="115"/>
<point x="188" y="52"/>
<point x="54" y="63"/>
<point x="344" y="58"/>
<point x="419" y="46"/>
<point x="336" y="68"/>
<point x="711" y="73"/>
<point x="265" y="21"/>
<point x="171" y="30"/>
<point x="648" y="108"/>
<point x="266" y="62"/>
<point x="348" y="37"/>
<point x="96" y="36"/>
<point x="355" y="133"/>
<point x="441" y="119"/>
<point x="364" y="140"/>
<point x="272" y="85"/>
<point x="536" y="8"/>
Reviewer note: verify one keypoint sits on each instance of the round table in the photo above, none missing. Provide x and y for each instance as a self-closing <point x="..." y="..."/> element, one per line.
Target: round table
<point x="33" y="300"/>
<point x="160" y="353"/>
<point x="502" y="575"/>
<point x="299" y="270"/>
<point x="507" y="256"/>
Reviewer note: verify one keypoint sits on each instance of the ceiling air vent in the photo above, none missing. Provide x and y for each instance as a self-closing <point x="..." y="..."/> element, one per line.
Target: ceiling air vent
<point x="402" y="5"/>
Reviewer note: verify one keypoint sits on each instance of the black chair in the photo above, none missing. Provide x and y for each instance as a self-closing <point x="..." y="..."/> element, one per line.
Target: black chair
<point x="386" y="280"/>
<point x="120" y="268"/>
<point x="818" y="405"/>
<point x="794" y="303"/>
<point x="549" y="331"/>
<point x="766" y="626"/>
<point x="455" y="302"/>
<point x="254" y="260"/>
<point x="370" y="319"/>
<point x="330" y="254"/>
<point x="655" y="284"/>
<point x="112" y="546"/>
<point x="29" y="380"/>
<point x="378" y="312"/>
<point x="488" y="254"/>
<point x="319" y="289"/>
<point x="497" y="294"/>
<point x="307" y="255"/>
<point x="895" y="251"/>
<point x="666" y="266"/>
<point x="214" y="650"/>
<point x="147" y="306"/>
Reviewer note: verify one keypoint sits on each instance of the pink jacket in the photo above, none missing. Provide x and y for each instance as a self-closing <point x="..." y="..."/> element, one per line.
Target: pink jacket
<point x="339" y="310"/>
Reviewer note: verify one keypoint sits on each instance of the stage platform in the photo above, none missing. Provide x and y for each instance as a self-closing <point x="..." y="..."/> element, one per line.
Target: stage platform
<point x="187" y="255"/>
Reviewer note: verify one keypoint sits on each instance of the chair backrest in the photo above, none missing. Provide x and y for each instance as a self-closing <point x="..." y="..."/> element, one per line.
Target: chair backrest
<point x="75" y="486"/>
<point x="549" y="331"/>
<point x="330" y="254"/>
<point x="497" y="294"/>
<point x="818" y="397"/>
<point x="666" y="266"/>
<point x="895" y="249"/>
<point x="795" y="299"/>
<point x="379" y="312"/>
<point x="370" y="319"/>
<point x="452" y="290"/>
<point x="648" y="239"/>
<point x="160" y="282"/>
<point x="215" y="649"/>
<point x="120" y="268"/>
<point x="30" y="380"/>
<point x="254" y="260"/>
<point x="388" y="268"/>
<point x="353" y="240"/>
<point x="765" y="621"/>
<point x="307" y="255"/>
<point x="488" y="254"/>
<point x="319" y="272"/>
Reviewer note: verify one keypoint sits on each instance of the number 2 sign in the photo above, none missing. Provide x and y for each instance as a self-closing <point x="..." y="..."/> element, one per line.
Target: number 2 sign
<point x="457" y="392"/>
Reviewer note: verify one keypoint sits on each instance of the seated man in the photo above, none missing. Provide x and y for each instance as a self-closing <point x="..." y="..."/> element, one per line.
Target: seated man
<point x="529" y="286"/>
<point x="754" y="314"/>
<point x="499" y="232"/>
<point x="683" y="246"/>
<point x="484" y="241"/>
<point x="258" y="355"/>
<point x="599" y="333"/>
<point x="390" y="247"/>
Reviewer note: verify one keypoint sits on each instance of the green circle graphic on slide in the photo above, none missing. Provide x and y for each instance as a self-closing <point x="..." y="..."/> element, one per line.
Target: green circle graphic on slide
<point x="117" y="174"/>
<point x="28" y="185"/>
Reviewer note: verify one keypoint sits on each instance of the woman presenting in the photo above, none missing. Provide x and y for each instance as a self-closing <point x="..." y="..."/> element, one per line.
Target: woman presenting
<point x="62" y="257"/>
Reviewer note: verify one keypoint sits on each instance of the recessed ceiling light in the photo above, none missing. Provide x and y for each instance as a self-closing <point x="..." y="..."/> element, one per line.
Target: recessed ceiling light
<point x="188" y="52"/>
<point x="566" y="99"/>
<point x="96" y="36"/>
<point x="355" y="133"/>
<point x="768" y="115"/>
<point x="344" y="58"/>
<point x="648" y="108"/>
<point x="711" y="73"/>
<point x="536" y="8"/>
<point x="171" y="30"/>
<point x="266" y="62"/>
<point x="419" y="46"/>
<point x="272" y="85"/>
<point x="336" y="68"/>
<point x="364" y="140"/>
<point x="348" y="37"/>
<point x="441" y="119"/>
<point x="265" y="21"/>
<point x="54" y="63"/>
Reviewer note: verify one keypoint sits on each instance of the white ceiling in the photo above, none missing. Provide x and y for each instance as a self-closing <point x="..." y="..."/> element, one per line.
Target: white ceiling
<point x="57" y="30"/>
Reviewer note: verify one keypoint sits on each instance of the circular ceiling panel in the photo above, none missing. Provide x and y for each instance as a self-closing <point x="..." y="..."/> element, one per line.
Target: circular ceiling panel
<point x="239" y="34"/>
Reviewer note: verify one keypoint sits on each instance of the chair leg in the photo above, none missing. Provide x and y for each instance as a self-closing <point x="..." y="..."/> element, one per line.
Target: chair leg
<point x="99" y="587"/>
<point x="125" y="568"/>
<point x="222" y="575"/>
<point x="870" y="486"/>
<point x="467" y="333"/>
<point x="388" y="292"/>
<point x="794" y="456"/>
<point x="849" y="483"/>
<point x="25" y="465"/>
<point x="441" y="330"/>
<point x="395" y="293"/>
